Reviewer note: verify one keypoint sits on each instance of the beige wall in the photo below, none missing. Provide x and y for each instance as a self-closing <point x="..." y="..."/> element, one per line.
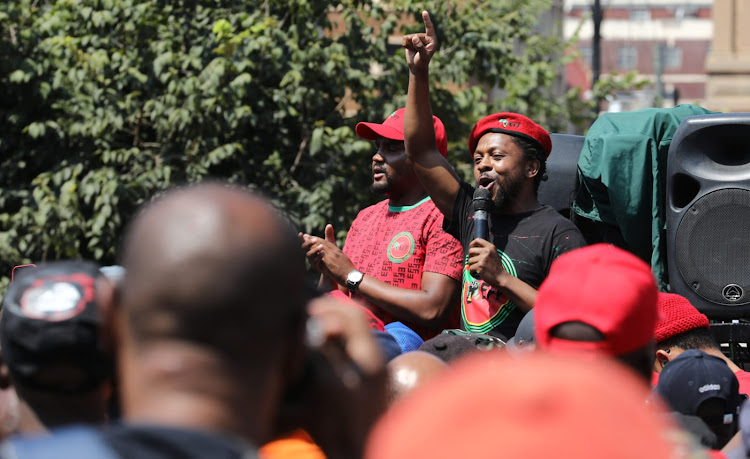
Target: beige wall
<point x="728" y="63"/>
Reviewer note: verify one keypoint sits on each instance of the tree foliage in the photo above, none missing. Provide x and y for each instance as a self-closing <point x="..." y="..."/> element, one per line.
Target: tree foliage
<point x="106" y="103"/>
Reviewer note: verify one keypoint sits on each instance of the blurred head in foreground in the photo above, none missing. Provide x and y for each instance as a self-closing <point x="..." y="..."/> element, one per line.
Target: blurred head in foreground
<point x="540" y="406"/>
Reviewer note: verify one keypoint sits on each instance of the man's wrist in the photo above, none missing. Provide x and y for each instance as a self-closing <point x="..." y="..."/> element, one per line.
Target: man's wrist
<point x="354" y="279"/>
<point x="501" y="281"/>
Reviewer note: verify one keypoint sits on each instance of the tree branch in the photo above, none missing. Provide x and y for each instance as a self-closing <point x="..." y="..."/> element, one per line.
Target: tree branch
<point x="300" y="152"/>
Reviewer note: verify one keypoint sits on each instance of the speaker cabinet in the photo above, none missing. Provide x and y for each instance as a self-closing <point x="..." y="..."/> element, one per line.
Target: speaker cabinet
<point x="560" y="187"/>
<point x="708" y="214"/>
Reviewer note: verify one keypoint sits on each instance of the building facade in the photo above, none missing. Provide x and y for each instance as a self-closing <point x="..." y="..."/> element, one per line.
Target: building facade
<point x="665" y="41"/>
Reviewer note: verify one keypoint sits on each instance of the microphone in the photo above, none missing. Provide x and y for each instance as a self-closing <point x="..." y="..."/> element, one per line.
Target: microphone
<point x="482" y="205"/>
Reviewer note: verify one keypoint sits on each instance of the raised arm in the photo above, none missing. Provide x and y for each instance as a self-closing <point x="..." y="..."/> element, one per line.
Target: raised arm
<point x="433" y="170"/>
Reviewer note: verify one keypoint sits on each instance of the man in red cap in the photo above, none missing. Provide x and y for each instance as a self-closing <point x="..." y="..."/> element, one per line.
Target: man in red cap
<point x="397" y="259"/>
<point x="509" y="151"/>
<point x="599" y="301"/>
<point x="682" y="327"/>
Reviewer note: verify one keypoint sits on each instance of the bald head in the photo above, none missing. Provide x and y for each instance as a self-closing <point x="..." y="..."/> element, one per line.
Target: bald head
<point x="213" y="265"/>
<point x="410" y="370"/>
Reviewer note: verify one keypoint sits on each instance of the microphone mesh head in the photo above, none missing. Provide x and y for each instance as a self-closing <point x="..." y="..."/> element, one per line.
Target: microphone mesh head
<point x="482" y="199"/>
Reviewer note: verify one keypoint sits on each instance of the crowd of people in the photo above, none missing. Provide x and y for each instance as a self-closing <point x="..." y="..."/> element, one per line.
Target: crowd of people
<point x="422" y="337"/>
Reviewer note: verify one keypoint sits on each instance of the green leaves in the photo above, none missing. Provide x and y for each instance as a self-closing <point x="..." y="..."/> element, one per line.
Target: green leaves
<point x="106" y="103"/>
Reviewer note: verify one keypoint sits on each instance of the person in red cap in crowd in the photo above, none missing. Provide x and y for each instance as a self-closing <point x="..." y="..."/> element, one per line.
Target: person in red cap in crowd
<point x="599" y="300"/>
<point x="509" y="152"/>
<point x="682" y="327"/>
<point x="541" y="406"/>
<point x="397" y="259"/>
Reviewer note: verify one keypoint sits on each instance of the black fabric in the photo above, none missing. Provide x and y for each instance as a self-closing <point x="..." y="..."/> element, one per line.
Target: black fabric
<point x="528" y="243"/>
<point x="154" y="442"/>
<point x="50" y="319"/>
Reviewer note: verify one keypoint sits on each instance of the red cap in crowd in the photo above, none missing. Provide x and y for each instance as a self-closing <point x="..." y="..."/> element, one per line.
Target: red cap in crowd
<point x="511" y="124"/>
<point x="602" y="286"/>
<point x="676" y="316"/>
<point x="541" y="406"/>
<point x="393" y="128"/>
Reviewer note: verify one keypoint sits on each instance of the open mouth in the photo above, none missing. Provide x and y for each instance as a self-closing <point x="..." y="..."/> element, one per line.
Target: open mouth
<point x="377" y="173"/>
<point x="486" y="182"/>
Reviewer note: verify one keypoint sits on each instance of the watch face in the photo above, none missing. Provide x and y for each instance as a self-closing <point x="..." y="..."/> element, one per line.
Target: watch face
<point x="354" y="277"/>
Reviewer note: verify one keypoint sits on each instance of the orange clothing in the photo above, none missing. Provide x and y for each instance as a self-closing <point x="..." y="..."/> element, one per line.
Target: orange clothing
<point x="297" y="445"/>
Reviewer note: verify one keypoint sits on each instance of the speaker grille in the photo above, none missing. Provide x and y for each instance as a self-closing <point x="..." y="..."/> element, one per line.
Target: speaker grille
<point x="712" y="247"/>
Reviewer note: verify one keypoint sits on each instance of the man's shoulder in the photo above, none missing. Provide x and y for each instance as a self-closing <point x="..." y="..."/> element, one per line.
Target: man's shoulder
<point x="549" y="216"/>
<point x="119" y="440"/>
<point x="78" y="441"/>
<point x="136" y="440"/>
<point x="377" y="208"/>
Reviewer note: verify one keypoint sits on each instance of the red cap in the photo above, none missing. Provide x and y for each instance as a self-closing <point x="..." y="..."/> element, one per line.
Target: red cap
<point x="602" y="286"/>
<point x="511" y="124"/>
<point x="677" y="316"/>
<point x="538" y="407"/>
<point x="393" y="128"/>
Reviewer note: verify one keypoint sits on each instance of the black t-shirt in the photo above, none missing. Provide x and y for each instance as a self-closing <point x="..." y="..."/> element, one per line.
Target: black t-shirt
<point x="156" y="442"/>
<point x="527" y="243"/>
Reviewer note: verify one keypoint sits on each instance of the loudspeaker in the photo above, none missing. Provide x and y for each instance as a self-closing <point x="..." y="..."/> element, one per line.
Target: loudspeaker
<point x="561" y="185"/>
<point x="708" y="214"/>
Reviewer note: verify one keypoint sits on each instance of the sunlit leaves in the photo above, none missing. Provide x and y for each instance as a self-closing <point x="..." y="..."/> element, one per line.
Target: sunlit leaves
<point x="106" y="103"/>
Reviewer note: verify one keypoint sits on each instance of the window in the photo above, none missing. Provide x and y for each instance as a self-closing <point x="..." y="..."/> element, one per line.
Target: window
<point x="640" y="14"/>
<point x="587" y="55"/>
<point x="627" y="57"/>
<point x="672" y="57"/>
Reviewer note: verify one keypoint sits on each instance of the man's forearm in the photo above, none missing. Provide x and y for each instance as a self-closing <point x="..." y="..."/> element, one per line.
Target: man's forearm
<point x="420" y="307"/>
<point x="419" y="133"/>
<point x="520" y="293"/>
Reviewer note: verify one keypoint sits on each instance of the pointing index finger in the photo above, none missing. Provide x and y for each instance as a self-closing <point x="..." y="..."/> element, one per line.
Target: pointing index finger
<point x="429" y="28"/>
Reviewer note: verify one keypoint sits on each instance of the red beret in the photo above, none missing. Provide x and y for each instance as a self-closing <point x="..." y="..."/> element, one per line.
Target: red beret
<point x="676" y="316"/>
<point x="511" y="124"/>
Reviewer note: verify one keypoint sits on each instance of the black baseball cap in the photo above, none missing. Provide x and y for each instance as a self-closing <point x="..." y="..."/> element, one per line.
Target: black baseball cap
<point x="49" y="329"/>
<point x="694" y="377"/>
<point x="452" y="344"/>
<point x="524" y="337"/>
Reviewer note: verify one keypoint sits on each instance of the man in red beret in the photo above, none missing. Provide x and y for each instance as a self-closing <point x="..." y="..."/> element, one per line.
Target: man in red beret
<point x="681" y="327"/>
<point x="509" y="151"/>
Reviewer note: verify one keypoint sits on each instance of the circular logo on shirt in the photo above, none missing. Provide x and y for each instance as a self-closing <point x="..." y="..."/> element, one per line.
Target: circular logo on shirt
<point x="482" y="306"/>
<point x="401" y="247"/>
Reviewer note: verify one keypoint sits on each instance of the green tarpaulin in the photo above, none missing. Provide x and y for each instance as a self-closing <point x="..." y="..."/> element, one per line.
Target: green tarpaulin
<point x="622" y="177"/>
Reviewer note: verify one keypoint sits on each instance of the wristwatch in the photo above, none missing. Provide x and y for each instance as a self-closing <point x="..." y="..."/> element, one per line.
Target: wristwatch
<point x="353" y="279"/>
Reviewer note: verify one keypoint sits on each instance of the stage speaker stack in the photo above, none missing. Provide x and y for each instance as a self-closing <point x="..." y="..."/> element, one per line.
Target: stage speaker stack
<point x="708" y="214"/>
<point x="560" y="188"/>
